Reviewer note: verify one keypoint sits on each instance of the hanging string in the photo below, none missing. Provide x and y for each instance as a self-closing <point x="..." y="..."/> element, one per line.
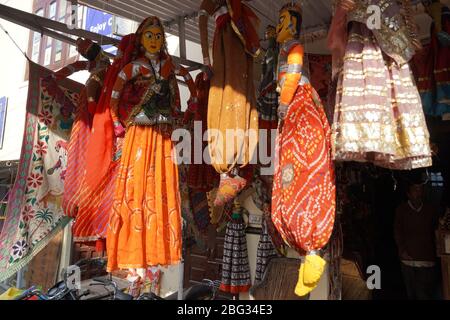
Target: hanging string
<point x="15" y="43"/>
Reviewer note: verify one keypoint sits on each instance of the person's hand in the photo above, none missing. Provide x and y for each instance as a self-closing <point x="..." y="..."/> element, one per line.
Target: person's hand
<point x="119" y="130"/>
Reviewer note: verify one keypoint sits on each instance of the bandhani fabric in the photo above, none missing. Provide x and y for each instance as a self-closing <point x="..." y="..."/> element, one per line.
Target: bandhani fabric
<point x="34" y="213"/>
<point x="235" y="266"/>
<point x="378" y="115"/>
<point x="303" y="196"/>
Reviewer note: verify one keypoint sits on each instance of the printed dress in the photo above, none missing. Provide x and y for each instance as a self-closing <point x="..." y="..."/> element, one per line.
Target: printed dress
<point x="378" y="114"/>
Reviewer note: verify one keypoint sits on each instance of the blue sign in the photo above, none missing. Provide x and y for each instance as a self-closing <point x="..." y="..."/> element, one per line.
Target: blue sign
<point x="3" y="106"/>
<point x="102" y="23"/>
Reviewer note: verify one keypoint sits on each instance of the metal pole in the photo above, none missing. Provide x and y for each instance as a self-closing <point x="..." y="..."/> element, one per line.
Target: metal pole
<point x="182" y="37"/>
<point x="19" y="280"/>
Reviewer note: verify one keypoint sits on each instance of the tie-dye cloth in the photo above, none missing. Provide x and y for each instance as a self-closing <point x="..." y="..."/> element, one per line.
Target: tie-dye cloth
<point x="34" y="214"/>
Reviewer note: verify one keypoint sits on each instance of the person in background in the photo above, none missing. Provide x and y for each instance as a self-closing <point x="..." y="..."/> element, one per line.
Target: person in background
<point x="414" y="230"/>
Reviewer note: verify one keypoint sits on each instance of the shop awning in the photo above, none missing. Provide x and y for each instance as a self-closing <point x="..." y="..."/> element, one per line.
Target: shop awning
<point x="317" y="14"/>
<point x="316" y="17"/>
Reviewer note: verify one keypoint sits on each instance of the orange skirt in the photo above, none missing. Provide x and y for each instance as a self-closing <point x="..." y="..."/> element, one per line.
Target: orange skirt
<point x="145" y="225"/>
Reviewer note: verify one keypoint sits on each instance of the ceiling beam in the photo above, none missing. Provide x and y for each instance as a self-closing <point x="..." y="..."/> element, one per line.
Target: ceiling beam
<point x="62" y="32"/>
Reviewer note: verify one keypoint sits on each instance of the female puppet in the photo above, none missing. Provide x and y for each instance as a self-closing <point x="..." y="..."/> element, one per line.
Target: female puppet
<point x="145" y="225"/>
<point x="303" y="198"/>
<point x="232" y="99"/>
<point x="378" y="115"/>
<point x="85" y="228"/>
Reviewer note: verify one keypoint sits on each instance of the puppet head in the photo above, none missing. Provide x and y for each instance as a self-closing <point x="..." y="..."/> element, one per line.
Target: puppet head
<point x="290" y="22"/>
<point x="151" y="36"/>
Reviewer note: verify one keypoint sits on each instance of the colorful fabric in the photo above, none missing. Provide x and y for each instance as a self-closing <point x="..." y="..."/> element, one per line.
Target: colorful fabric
<point x="229" y="188"/>
<point x="34" y="213"/>
<point x="145" y="226"/>
<point x="102" y="147"/>
<point x="87" y="226"/>
<point x="395" y="36"/>
<point x="303" y="196"/>
<point x="378" y="114"/>
<point x="232" y="101"/>
<point x="235" y="266"/>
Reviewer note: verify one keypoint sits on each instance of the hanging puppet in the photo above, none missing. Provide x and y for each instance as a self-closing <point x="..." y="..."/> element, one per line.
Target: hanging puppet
<point x="436" y="69"/>
<point x="303" y="198"/>
<point x="232" y="100"/>
<point x="378" y="115"/>
<point x="145" y="224"/>
<point x="97" y="64"/>
<point x="268" y="96"/>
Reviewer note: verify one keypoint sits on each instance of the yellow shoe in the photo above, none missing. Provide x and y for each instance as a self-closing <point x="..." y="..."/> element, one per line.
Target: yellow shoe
<point x="11" y="294"/>
<point x="313" y="270"/>
<point x="302" y="289"/>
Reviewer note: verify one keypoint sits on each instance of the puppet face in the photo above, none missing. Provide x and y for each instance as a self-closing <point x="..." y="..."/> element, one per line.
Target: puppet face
<point x="152" y="39"/>
<point x="287" y="26"/>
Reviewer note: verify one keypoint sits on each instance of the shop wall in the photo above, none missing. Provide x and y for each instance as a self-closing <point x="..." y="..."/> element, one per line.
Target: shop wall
<point x="12" y="81"/>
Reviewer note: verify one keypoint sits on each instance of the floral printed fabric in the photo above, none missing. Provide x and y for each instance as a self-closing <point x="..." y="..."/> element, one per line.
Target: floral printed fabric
<point x="34" y="213"/>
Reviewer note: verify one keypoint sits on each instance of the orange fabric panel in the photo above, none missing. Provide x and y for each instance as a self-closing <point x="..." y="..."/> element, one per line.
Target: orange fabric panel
<point x="145" y="226"/>
<point x="292" y="79"/>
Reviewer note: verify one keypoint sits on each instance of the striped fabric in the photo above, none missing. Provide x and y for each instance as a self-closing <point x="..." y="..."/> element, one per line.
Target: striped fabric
<point x="378" y="114"/>
<point x="235" y="267"/>
<point x="266" y="251"/>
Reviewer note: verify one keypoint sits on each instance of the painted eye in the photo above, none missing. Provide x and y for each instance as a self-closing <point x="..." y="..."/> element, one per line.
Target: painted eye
<point x="149" y="35"/>
<point x="158" y="37"/>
